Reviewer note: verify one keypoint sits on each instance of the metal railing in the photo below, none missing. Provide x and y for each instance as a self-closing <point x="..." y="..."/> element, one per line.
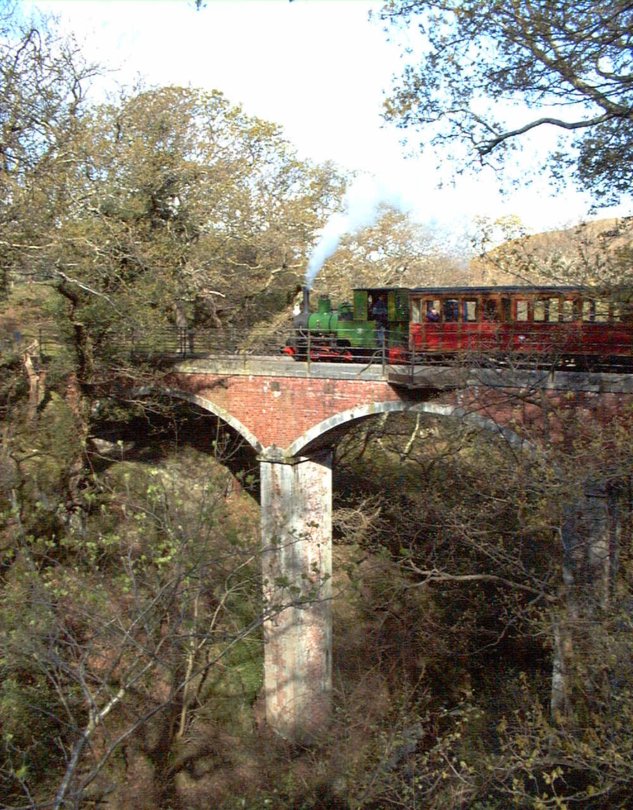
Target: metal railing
<point x="165" y="344"/>
<point x="138" y="342"/>
<point x="41" y="340"/>
<point x="188" y="343"/>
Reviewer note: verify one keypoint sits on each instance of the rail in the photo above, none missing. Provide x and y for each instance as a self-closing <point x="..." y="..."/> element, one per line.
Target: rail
<point x="185" y="344"/>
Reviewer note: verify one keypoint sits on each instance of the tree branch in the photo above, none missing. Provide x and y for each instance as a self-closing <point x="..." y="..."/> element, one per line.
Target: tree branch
<point x="433" y="575"/>
<point x="488" y="146"/>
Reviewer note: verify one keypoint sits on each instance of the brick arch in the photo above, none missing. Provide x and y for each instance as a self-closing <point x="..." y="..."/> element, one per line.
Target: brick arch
<point x="206" y="405"/>
<point x="322" y="433"/>
<point x="318" y="434"/>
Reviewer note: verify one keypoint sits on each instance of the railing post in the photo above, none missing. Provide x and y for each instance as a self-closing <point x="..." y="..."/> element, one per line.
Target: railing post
<point x="308" y="352"/>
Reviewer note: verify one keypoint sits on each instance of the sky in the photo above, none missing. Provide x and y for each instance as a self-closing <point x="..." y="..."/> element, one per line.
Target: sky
<point x="320" y="69"/>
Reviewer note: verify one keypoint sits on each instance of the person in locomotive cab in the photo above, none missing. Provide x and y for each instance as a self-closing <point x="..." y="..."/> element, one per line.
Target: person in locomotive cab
<point x="378" y="313"/>
<point x="432" y="315"/>
<point x="379" y="309"/>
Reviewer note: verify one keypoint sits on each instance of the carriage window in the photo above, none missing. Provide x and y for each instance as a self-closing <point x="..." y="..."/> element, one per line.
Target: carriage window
<point x="506" y="309"/>
<point x="470" y="310"/>
<point x="623" y="313"/>
<point x="491" y="311"/>
<point x="602" y="311"/>
<point x="595" y="311"/>
<point x="546" y="310"/>
<point x="554" y="310"/>
<point x="415" y="311"/>
<point x="432" y="310"/>
<point x="522" y="310"/>
<point x="541" y="310"/>
<point x="570" y="310"/>
<point x="451" y="310"/>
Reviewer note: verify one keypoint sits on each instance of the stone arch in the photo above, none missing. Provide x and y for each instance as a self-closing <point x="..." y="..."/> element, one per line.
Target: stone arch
<point x="315" y="436"/>
<point x="207" y="405"/>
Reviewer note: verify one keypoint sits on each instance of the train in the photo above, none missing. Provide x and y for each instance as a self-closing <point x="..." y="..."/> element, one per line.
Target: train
<point x="565" y="326"/>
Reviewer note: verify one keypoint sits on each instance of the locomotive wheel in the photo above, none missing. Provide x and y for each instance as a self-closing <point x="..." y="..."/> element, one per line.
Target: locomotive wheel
<point x="345" y="351"/>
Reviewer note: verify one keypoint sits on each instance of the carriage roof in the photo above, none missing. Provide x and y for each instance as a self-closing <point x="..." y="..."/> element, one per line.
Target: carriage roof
<point x="509" y="289"/>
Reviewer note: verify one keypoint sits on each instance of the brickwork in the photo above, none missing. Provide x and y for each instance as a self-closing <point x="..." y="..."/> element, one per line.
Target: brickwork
<point x="279" y="410"/>
<point x="547" y="416"/>
<point x="285" y="413"/>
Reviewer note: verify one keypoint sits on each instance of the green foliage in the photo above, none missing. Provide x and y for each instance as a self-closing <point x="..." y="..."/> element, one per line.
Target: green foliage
<point x="186" y="199"/>
<point x="470" y="530"/>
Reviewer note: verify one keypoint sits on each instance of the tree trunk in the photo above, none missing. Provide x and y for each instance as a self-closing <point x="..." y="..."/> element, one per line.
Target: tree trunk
<point x="36" y="376"/>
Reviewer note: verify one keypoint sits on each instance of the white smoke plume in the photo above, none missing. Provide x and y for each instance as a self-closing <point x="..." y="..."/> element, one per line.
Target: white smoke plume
<point x="362" y="206"/>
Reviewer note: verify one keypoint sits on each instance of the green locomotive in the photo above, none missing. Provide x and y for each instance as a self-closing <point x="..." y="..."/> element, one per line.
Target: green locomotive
<point x="374" y="325"/>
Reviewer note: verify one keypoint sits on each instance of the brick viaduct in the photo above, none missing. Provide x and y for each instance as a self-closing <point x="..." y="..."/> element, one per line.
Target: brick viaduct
<point x="291" y="414"/>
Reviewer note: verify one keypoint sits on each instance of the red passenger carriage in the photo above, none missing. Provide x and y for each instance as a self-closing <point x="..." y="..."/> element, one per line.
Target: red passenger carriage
<point x="567" y="325"/>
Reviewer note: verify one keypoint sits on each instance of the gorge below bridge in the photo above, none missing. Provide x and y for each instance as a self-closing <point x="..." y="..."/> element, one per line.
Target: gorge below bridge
<point x="292" y="414"/>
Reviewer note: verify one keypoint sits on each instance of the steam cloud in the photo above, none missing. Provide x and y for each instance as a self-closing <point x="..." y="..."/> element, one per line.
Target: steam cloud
<point x="362" y="205"/>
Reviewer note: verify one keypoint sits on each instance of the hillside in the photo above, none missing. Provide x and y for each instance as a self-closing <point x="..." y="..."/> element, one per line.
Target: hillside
<point x="596" y="252"/>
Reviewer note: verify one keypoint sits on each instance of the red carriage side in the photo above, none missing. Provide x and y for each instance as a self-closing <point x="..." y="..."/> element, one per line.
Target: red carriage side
<point x="565" y="325"/>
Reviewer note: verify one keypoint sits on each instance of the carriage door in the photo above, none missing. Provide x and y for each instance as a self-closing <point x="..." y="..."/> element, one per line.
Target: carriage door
<point x="596" y="338"/>
<point x="545" y="325"/>
<point x="416" y="324"/>
<point x="490" y="319"/>
<point x="471" y="312"/>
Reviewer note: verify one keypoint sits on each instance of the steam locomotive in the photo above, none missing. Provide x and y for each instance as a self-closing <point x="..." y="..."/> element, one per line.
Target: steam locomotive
<point x="567" y="326"/>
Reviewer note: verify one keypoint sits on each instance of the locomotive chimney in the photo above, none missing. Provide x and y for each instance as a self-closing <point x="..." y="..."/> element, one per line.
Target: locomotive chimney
<point x="301" y="320"/>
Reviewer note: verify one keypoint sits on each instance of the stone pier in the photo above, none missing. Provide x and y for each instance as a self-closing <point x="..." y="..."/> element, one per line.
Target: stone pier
<point x="296" y="507"/>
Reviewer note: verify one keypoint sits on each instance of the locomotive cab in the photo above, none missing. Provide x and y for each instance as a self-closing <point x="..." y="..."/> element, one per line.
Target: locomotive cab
<point x="381" y="318"/>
